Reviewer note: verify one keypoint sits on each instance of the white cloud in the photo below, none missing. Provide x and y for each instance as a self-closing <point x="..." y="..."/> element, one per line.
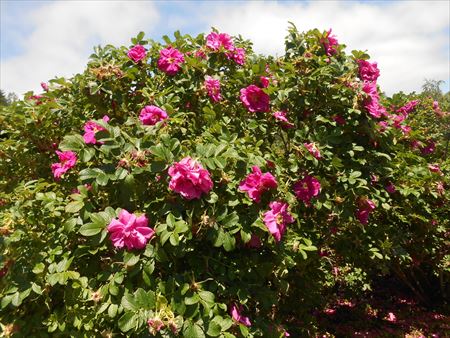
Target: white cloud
<point x="409" y="40"/>
<point x="64" y="34"/>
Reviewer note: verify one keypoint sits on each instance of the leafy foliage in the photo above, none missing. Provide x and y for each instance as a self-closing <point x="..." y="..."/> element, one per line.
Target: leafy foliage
<point x="61" y="274"/>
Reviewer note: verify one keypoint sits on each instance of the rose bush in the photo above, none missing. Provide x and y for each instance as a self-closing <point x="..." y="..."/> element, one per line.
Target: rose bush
<point x="228" y="194"/>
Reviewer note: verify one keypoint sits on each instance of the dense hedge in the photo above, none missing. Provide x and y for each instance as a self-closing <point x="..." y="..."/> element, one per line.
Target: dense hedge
<point x="194" y="188"/>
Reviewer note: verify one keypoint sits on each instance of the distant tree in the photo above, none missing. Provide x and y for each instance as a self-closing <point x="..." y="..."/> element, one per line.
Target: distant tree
<point x="432" y="88"/>
<point x="3" y="99"/>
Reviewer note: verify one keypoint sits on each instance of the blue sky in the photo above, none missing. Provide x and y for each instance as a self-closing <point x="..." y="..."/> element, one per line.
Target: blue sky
<point x="410" y="40"/>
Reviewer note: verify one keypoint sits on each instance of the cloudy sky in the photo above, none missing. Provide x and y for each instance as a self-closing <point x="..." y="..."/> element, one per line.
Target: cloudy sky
<point x="410" y="40"/>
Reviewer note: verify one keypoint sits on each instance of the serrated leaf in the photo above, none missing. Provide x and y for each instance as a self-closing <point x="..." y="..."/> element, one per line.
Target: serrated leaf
<point x="90" y="229"/>
<point x="129" y="303"/>
<point x="74" y="206"/>
<point x="128" y="321"/>
<point x="192" y="330"/>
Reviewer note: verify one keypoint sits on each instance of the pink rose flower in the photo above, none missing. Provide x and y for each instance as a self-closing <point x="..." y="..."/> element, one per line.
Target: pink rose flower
<point x="170" y="60"/>
<point x="368" y="71"/>
<point x="67" y="159"/>
<point x="38" y="99"/>
<point x="430" y="148"/>
<point x="130" y="231"/>
<point x="91" y="128"/>
<point x="200" y="54"/>
<point x="339" y="119"/>
<point x="307" y="188"/>
<point x="155" y="325"/>
<point x="254" y="99"/>
<point x="237" y="55"/>
<point x="405" y="129"/>
<point x="44" y="86"/>
<point x="277" y="218"/>
<point x="383" y="125"/>
<point x="137" y="53"/>
<point x="366" y="206"/>
<point x="390" y="188"/>
<point x="330" y="43"/>
<point x="281" y="116"/>
<point x="215" y="41"/>
<point x="373" y="179"/>
<point x="254" y="242"/>
<point x="415" y="144"/>
<point x="371" y="103"/>
<point x="151" y="115"/>
<point x="408" y="108"/>
<point x="434" y="168"/>
<point x="237" y="317"/>
<point x="440" y="188"/>
<point x="314" y="151"/>
<point x="256" y="183"/>
<point x="189" y="179"/>
<point x="264" y="80"/>
<point x="213" y="88"/>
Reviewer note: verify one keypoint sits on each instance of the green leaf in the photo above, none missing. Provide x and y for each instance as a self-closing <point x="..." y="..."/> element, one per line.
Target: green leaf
<point x="128" y="321"/>
<point x="72" y="142"/>
<point x="194" y="299"/>
<point x="38" y="268"/>
<point x="102" y="179"/>
<point x="129" y="303"/>
<point x="162" y="153"/>
<point x="91" y="229"/>
<point x="74" y="206"/>
<point x="145" y="300"/>
<point x="112" y="310"/>
<point x="214" y="329"/>
<point x="192" y="330"/>
<point x="229" y="242"/>
<point x="207" y="296"/>
<point x="89" y="173"/>
<point x="130" y="259"/>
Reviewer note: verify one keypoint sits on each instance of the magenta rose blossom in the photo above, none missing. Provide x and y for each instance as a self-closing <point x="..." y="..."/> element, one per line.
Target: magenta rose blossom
<point x="237" y="317"/>
<point x="170" y="60"/>
<point x="256" y="183"/>
<point x="44" y="86"/>
<point x="313" y="150"/>
<point x="67" y="159"/>
<point x="339" y="119"/>
<point x="282" y="118"/>
<point x="390" y="188"/>
<point x="383" y="125"/>
<point x="237" y="55"/>
<point x="137" y="53"/>
<point x="216" y="40"/>
<point x="372" y="103"/>
<point x="430" y="148"/>
<point x="307" y="188"/>
<point x="151" y="115"/>
<point x="264" y="80"/>
<point x="408" y="108"/>
<point x="189" y="179"/>
<point x="368" y="71"/>
<point x="277" y="218"/>
<point x="213" y="88"/>
<point x="330" y="43"/>
<point x="254" y="99"/>
<point x="130" y="231"/>
<point x="254" y="242"/>
<point x="434" y="168"/>
<point x="366" y="206"/>
<point x="91" y="128"/>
